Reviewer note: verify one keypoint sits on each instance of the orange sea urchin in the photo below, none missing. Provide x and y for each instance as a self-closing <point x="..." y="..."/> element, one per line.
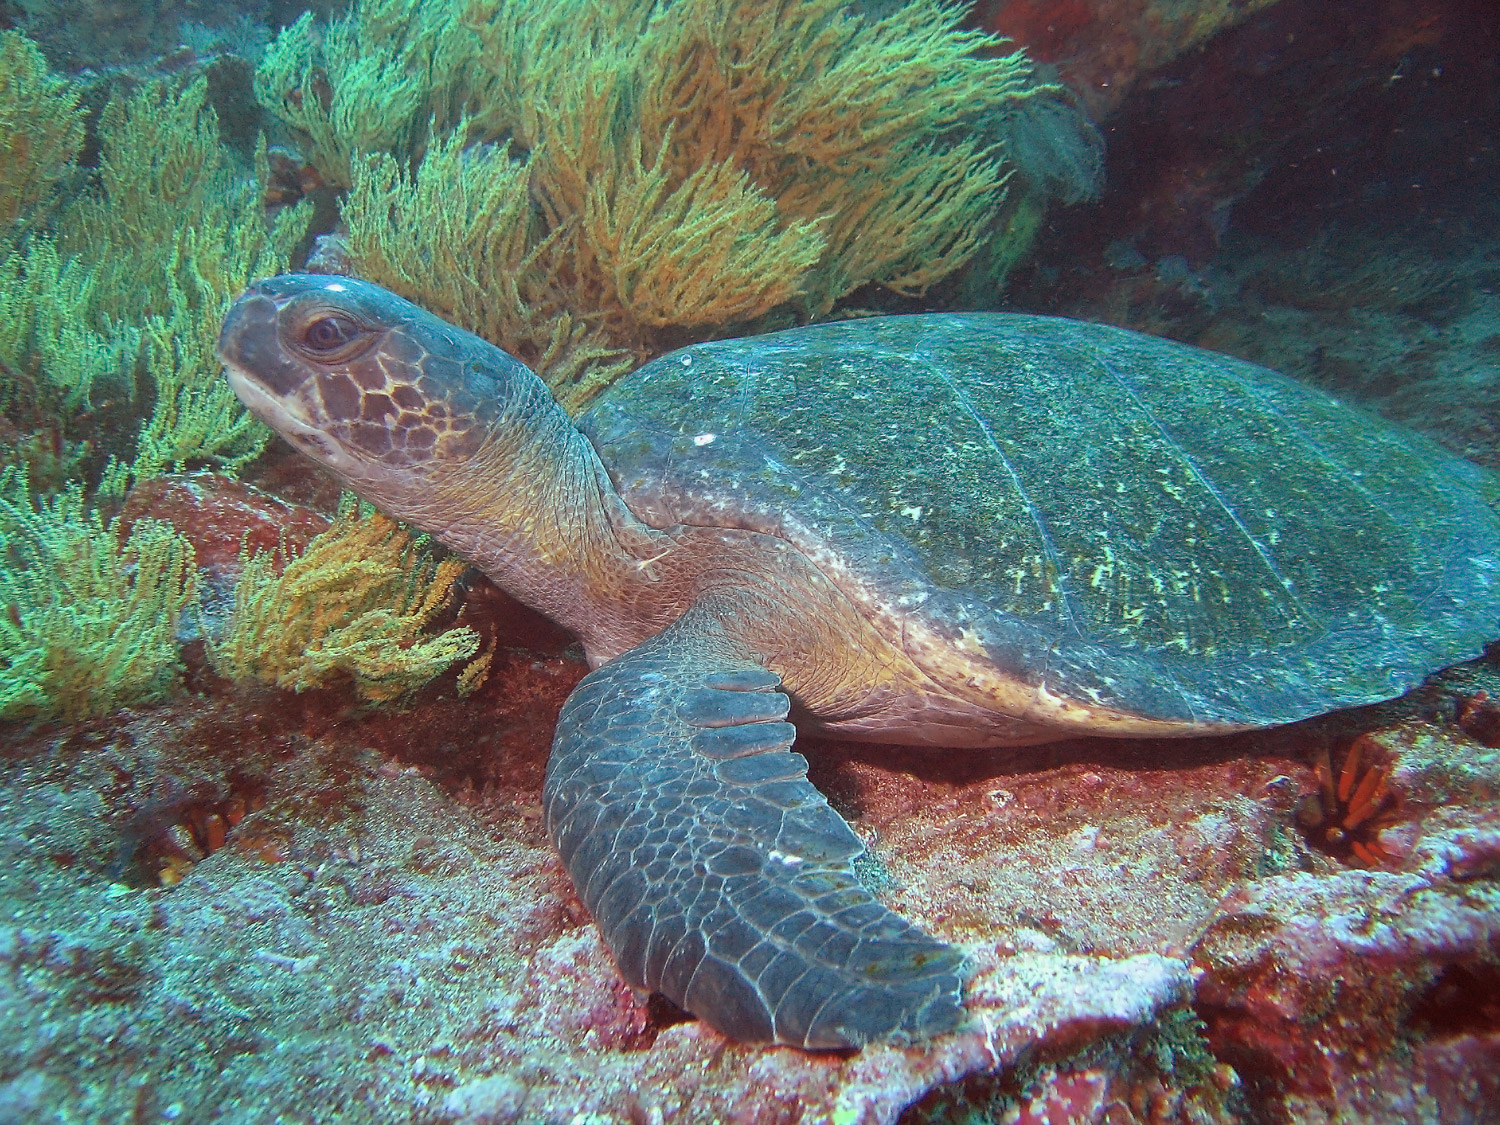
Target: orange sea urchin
<point x="1345" y="818"/>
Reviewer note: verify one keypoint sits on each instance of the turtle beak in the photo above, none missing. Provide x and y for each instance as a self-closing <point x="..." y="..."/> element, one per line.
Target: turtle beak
<point x="272" y="383"/>
<point x="251" y="351"/>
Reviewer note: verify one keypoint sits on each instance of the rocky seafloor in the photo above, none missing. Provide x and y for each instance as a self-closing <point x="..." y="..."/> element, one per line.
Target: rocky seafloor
<point x="364" y="922"/>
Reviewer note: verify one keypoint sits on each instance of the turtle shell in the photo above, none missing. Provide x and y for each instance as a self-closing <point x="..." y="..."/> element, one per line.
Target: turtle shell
<point x="1120" y="520"/>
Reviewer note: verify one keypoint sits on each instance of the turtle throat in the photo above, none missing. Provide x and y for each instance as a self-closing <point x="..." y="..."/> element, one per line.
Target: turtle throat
<point x="535" y="511"/>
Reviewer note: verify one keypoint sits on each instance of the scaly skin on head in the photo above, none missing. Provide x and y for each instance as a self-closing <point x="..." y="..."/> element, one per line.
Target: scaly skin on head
<point x="450" y="434"/>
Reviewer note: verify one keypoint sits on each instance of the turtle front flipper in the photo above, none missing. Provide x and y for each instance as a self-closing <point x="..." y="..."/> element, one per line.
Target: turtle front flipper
<point x="718" y="875"/>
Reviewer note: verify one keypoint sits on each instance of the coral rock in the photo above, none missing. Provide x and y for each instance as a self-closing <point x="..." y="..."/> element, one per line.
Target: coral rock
<point x="1149" y="936"/>
<point x="217" y="514"/>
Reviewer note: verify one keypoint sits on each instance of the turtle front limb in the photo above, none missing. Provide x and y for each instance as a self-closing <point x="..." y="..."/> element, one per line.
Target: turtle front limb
<point x="718" y="875"/>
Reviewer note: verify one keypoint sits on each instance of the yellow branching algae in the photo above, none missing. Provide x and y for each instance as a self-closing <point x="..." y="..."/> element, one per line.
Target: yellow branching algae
<point x="462" y="237"/>
<point x="694" y="252"/>
<point x="354" y="603"/>
<point x="54" y="327"/>
<point x="41" y="131"/>
<point x="87" y="623"/>
<point x="374" y="82"/>
<point x="131" y="277"/>
<point x="172" y="237"/>
<point x="637" y="168"/>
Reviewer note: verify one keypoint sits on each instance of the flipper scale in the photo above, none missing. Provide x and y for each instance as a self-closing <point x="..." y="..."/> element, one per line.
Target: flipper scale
<point x="718" y="875"/>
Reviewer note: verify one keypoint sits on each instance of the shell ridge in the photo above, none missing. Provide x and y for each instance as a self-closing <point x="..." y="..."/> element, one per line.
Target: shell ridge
<point x="1190" y="463"/>
<point x="1328" y="457"/>
<point x="1064" y="589"/>
<point x="1410" y="658"/>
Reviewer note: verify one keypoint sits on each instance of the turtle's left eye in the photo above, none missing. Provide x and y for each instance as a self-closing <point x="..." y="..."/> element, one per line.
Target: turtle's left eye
<point x="329" y="333"/>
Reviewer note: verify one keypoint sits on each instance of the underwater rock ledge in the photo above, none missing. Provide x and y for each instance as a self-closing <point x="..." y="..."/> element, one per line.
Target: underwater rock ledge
<point x="1154" y="935"/>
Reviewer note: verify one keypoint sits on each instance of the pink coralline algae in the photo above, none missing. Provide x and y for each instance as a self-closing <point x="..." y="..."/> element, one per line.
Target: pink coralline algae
<point x="223" y="516"/>
<point x="1103" y="47"/>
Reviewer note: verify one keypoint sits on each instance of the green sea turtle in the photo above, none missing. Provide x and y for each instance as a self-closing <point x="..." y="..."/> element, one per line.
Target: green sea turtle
<point x="958" y="530"/>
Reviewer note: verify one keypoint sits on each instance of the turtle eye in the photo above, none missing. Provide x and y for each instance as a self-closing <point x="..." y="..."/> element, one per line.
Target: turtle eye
<point x="329" y="333"/>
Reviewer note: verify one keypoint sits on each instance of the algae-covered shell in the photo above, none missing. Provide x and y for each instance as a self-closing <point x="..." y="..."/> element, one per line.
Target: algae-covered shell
<point x="1118" y="520"/>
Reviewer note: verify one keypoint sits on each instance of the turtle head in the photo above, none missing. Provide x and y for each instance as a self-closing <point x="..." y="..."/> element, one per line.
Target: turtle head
<point x="385" y="394"/>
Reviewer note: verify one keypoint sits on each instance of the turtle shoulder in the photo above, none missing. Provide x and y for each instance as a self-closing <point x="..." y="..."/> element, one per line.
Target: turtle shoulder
<point x="1118" y="519"/>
